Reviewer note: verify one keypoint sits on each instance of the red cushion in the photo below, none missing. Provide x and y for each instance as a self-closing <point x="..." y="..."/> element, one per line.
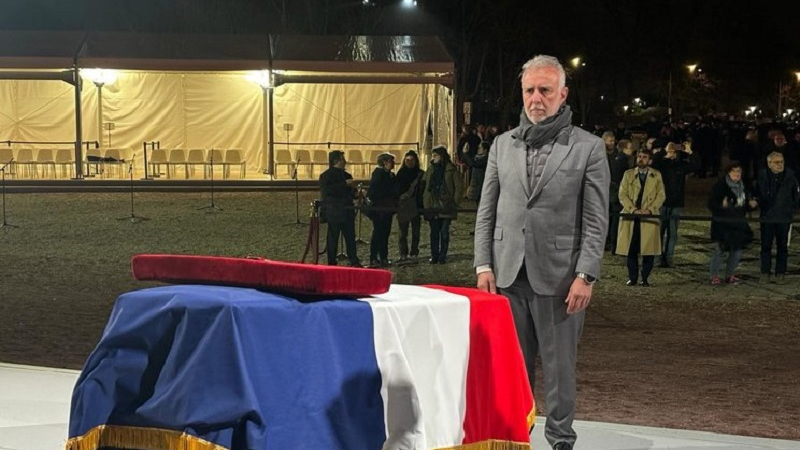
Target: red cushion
<point x="294" y="278"/>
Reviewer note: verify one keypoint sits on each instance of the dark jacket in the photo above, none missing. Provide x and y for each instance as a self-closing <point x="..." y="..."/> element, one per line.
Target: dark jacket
<point x="409" y="186"/>
<point x="618" y="166"/>
<point x="778" y="195"/>
<point x="444" y="197"/>
<point x="337" y="196"/>
<point x="478" y="175"/>
<point x="729" y="226"/>
<point x="382" y="192"/>
<point x="673" y="172"/>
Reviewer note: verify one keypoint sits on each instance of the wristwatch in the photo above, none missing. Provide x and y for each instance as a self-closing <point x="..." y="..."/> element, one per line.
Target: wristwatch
<point x="588" y="279"/>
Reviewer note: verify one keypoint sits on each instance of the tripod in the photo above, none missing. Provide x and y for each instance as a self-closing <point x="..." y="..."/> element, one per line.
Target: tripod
<point x="133" y="218"/>
<point x="296" y="196"/>
<point x="211" y="207"/>
<point x="3" y="171"/>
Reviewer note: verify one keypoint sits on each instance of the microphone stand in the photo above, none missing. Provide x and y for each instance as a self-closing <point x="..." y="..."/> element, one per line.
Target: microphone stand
<point x="211" y="207"/>
<point x="133" y="218"/>
<point x="296" y="196"/>
<point x="358" y="210"/>
<point x="3" y="171"/>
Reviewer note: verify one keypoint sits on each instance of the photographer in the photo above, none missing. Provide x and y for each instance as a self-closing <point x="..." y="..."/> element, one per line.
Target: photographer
<point x="337" y="192"/>
<point x="674" y="162"/>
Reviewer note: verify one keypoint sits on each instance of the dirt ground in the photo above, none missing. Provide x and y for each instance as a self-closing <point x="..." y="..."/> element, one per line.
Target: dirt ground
<point x="679" y="354"/>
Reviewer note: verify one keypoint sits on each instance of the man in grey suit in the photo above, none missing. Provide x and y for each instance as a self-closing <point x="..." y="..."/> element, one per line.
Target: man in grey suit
<point x="540" y="233"/>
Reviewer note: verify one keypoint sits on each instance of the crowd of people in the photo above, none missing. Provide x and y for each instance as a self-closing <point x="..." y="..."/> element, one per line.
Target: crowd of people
<point x="756" y="177"/>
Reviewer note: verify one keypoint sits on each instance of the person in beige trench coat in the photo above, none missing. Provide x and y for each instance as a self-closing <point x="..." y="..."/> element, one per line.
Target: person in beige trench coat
<point x="641" y="192"/>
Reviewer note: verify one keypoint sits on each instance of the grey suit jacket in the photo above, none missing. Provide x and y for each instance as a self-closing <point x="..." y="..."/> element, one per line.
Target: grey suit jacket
<point x="557" y="229"/>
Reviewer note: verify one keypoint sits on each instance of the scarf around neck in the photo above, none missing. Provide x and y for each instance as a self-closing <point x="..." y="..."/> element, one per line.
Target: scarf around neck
<point x="737" y="188"/>
<point x="537" y="134"/>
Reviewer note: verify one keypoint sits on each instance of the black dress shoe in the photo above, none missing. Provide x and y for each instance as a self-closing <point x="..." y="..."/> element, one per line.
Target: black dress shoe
<point x="433" y="261"/>
<point x="644" y="283"/>
<point x="562" y="446"/>
<point x="664" y="264"/>
<point x="630" y="283"/>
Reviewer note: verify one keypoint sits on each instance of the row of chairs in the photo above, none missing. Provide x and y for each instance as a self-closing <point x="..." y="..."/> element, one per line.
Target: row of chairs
<point x="28" y="162"/>
<point x="170" y="159"/>
<point x="309" y="159"/>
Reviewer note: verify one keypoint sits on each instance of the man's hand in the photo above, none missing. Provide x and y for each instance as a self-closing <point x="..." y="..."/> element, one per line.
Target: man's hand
<point x="580" y="294"/>
<point x="486" y="282"/>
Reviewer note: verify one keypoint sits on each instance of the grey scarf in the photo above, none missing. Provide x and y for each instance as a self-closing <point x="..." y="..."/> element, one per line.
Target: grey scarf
<point x="536" y="135"/>
<point x="738" y="190"/>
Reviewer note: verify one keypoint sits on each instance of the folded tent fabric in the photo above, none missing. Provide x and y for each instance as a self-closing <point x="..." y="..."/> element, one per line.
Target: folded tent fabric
<point x="214" y="367"/>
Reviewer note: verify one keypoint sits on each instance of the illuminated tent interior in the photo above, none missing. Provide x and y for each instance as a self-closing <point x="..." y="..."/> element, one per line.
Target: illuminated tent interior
<point x="195" y="93"/>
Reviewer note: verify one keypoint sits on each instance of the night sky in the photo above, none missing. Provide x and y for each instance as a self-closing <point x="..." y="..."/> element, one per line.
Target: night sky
<point x="630" y="46"/>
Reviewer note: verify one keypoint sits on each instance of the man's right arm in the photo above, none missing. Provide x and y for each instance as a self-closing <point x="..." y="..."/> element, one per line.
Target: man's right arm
<point x="485" y="223"/>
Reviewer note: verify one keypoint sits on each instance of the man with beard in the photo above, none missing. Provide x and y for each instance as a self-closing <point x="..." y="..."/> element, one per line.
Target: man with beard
<point x="540" y="231"/>
<point x="641" y="194"/>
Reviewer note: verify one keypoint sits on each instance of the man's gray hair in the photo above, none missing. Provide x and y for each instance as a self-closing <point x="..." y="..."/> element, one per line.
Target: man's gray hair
<point x="775" y="155"/>
<point x="540" y="61"/>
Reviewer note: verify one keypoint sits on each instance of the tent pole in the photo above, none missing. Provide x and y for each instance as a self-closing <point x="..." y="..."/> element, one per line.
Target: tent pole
<point x="271" y="118"/>
<point x="78" y="124"/>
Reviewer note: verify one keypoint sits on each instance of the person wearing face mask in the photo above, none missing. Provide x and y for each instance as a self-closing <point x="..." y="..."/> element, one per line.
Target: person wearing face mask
<point x="540" y="232"/>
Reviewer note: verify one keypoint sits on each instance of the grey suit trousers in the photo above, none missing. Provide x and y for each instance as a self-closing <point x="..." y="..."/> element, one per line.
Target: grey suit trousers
<point x="546" y="330"/>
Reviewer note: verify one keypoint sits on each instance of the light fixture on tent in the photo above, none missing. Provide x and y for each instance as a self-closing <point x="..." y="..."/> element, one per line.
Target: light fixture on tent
<point x="262" y="78"/>
<point x="100" y="78"/>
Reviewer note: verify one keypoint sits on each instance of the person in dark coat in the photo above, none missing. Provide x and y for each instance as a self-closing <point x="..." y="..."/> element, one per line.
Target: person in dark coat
<point x="337" y="192"/>
<point x="382" y="195"/>
<point x="443" y="191"/>
<point x="729" y="202"/>
<point x="674" y="162"/>
<point x="409" y="184"/>
<point x="478" y="172"/>
<point x="778" y="195"/>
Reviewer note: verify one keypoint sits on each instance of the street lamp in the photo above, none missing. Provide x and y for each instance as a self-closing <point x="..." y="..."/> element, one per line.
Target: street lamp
<point x="692" y="68"/>
<point x="100" y="78"/>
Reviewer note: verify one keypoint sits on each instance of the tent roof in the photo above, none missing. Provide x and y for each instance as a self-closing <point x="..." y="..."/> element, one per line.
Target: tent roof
<point x="143" y="51"/>
<point x="376" y="54"/>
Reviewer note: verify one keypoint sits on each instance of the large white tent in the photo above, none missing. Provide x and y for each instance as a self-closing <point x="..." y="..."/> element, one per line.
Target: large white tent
<point x="355" y="93"/>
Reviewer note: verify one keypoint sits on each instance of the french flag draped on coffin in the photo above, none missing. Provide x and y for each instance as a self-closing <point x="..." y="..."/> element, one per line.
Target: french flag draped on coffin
<point x="215" y="367"/>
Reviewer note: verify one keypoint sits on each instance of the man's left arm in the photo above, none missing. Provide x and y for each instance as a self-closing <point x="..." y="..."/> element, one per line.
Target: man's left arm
<point x="594" y="211"/>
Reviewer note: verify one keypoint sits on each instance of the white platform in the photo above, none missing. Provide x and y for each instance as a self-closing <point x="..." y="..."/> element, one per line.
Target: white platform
<point x="34" y="414"/>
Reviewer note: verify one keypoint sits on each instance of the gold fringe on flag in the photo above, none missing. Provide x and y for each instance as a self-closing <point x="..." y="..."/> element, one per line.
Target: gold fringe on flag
<point x="491" y="444"/>
<point x="138" y="439"/>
